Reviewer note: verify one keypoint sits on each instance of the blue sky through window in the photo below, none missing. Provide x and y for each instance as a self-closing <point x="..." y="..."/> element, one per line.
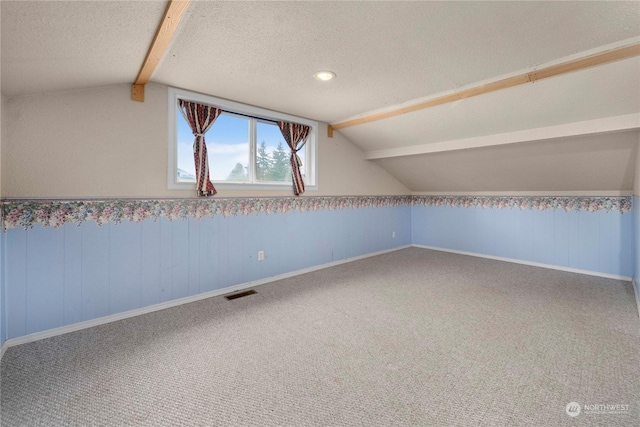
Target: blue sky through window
<point x="227" y="144"/>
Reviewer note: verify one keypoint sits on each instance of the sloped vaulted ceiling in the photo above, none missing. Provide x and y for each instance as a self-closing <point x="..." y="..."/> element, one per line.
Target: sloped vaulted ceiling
<point x="385" y="55"/>
<point x="594" y="162"/>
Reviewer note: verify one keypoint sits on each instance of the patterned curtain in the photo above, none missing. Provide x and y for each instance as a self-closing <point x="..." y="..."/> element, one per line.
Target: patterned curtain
<point x="200" y="118"/>
<point x="296" y="136"/>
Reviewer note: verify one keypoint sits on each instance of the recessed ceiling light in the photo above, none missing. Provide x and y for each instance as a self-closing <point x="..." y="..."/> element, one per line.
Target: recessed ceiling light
<point x="324" y="76"/>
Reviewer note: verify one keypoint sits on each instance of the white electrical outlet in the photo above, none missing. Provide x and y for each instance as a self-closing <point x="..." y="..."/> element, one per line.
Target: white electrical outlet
<point x="393" y="234"/>
<point x="260" y="255"/>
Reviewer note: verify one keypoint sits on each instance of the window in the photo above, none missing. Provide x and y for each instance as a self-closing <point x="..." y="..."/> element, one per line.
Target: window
<point x="245" y="147"/>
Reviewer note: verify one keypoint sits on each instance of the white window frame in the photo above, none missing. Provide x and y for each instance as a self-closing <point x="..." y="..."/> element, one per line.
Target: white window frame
<point x="311" y="153"/>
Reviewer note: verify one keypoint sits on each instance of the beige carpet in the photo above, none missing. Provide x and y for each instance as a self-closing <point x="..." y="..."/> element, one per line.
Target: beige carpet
<point x="413" y="337"/>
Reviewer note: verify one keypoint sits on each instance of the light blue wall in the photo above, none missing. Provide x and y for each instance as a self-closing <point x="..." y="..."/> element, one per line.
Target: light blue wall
<point x="3" y="323"/>
<point x="596" y="241"/>
<point x="636" y="236"/>
<point x="57" y="277"/>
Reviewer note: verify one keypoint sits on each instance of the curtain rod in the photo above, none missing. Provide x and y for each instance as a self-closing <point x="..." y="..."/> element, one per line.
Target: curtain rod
<point x="264" y="119"/>
<point x="234" y="112"/>
<point x="250" y="116"/>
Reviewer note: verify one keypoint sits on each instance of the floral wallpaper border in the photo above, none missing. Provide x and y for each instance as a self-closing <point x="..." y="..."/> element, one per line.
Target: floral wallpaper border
<point x="55" y="213"/>
<point x="566" y="203"/>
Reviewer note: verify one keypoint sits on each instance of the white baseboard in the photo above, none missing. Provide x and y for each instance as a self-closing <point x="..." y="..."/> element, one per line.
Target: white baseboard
<point x="156" y="307"/>
<point x="533" y="264"/>
<point x="636" y="292"/>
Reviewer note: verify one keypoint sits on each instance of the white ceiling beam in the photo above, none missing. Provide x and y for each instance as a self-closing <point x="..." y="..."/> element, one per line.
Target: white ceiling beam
<point x="589" y="127"/>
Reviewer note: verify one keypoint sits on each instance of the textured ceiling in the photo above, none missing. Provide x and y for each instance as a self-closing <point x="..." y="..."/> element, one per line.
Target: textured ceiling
<point x="593" y="163"/>
<point x="51" y="46"/>
<point x="607" y="90"/>
<point x="384" y="54"/>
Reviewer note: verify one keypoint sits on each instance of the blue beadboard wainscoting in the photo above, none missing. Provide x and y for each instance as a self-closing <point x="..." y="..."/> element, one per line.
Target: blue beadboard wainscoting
<point x="636" y="260"/>
<point x="598" y="241"/>
<point x="68" y="263"/>
<point x="74" y="273"/>
<point x="636" y="234"/>
<point x="3" y="323"/>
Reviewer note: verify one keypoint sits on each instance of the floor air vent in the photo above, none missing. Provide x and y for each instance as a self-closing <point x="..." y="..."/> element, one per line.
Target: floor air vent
<point x="240" y="294"/>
